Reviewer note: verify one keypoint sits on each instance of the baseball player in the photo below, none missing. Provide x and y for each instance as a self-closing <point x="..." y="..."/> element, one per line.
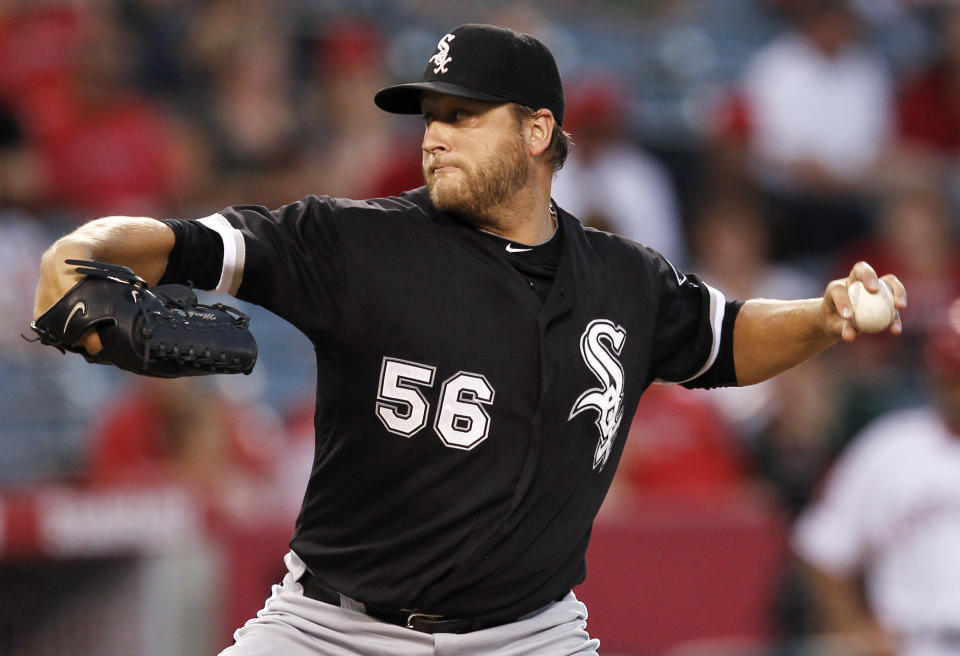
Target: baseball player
<point x="890" y="514"/>
<point x="479" y="356"/>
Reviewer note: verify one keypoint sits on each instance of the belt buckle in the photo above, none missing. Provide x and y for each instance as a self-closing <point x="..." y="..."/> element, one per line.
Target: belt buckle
<point x="412" y="617"/>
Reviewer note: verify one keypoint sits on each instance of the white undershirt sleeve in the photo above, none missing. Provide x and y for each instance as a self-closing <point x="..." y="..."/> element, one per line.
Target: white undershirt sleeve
<point x="718" y="308"/>
<point x="234" y="251"/>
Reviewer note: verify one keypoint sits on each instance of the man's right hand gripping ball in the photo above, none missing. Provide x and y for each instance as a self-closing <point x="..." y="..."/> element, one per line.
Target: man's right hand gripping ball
<point x="158" y="331"/>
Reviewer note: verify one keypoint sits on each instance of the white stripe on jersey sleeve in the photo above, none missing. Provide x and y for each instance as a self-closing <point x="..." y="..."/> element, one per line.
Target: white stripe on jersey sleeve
<point x="718" y="308"/>
<point x="234" y="252"/>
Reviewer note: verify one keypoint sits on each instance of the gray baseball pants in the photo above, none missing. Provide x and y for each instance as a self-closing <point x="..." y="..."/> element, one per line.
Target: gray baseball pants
<point x="291" y="624"/>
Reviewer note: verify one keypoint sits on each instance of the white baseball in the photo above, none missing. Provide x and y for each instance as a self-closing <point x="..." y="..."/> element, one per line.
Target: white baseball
<point x="872" y="313"/>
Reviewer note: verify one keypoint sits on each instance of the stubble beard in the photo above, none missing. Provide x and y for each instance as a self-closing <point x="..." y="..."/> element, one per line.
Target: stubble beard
<point x="484" y="185"/>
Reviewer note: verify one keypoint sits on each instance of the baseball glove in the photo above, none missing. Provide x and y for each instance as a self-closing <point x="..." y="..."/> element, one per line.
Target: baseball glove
<point x="158" y="331"/>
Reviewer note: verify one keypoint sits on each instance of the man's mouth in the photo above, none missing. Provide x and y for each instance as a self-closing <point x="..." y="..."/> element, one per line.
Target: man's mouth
<point x="437" y="165"/>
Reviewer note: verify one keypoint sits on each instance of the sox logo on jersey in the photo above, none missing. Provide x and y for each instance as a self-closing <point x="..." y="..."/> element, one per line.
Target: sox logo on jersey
<point x="600" y="343"/>
<point x="442" y="56"/>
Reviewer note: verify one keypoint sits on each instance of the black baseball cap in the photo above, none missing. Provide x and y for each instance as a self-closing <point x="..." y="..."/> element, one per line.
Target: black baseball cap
<point x="484" y="62"/>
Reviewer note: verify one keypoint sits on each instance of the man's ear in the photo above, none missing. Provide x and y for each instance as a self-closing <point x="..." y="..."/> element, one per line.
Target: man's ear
<point x="540" y="131"/>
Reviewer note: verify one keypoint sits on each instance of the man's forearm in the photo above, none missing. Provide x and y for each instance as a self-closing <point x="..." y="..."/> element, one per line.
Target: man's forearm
<point x="142" y="244"/>
<point x="771" y="336"/>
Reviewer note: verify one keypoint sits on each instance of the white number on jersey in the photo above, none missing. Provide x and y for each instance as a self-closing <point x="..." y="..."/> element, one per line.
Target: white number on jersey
<point x="461" y="421"/>
<point x="400" y="405"/>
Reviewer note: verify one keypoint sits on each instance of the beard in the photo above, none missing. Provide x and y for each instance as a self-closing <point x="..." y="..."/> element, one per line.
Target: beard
<point x="482" y="185"/>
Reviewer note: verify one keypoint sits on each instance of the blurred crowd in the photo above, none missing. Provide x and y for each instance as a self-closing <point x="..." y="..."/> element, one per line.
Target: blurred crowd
<point x="765" y="144"/>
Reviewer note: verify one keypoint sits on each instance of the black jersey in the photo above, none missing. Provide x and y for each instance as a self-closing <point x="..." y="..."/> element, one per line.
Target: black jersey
<point x="466" y="432"/>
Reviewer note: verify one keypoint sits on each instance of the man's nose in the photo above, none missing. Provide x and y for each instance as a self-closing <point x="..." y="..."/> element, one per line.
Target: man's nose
<point x="435" y="138"/>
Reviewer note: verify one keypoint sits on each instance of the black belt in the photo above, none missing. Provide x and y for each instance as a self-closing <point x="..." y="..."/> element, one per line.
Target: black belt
<point x="411" y="619"/>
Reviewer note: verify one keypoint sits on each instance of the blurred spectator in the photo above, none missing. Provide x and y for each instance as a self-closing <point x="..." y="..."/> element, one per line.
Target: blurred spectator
<point x="252" y="124"/>
<point x="162" y="28"/>
<point x="802" y="433"/>
<point x="928" y="113"/>
<point x="915" y="237"/>
<point x="246" y="106"/>
<point x="890" y="512"/>
<point x="788" y="428"/>
<point x="23" y="238"/>
<point x="39" y="43"/>
<point x="109" y="150"/>
<point x="679" y="449"/>
<point x="731" y="247"/>
<point x="19" y="168"/>
<point x="928" y="109"/>
<point x="44" y="396"/>
<point x="183" y="431"/>
<point x="610" y="183"/>
<point x="356" y="153"/>
<point x="818" y="107"/>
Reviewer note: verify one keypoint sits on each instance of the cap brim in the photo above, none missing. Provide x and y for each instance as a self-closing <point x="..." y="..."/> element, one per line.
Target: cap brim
<point x="405" y="98"/>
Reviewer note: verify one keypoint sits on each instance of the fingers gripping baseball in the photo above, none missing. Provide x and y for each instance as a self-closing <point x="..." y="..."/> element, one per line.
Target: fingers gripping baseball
<point x="844" y="303"/>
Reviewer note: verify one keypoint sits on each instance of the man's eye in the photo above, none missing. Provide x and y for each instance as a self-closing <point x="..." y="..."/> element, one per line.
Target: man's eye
<point x="461" y="114"/>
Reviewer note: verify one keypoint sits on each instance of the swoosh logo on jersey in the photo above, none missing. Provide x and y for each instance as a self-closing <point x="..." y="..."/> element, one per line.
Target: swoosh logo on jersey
<point x="512" y="249"/>
<point x="80" y="307"/>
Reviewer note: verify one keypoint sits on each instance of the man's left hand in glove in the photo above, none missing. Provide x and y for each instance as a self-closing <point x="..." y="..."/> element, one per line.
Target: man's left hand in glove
<point x="158" y="331"/>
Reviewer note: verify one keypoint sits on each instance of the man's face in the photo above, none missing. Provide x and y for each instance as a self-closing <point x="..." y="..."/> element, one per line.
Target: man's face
<point x="474" y="154"/>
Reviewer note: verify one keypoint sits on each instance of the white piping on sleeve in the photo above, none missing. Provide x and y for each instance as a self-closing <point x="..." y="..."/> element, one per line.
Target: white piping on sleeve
<point x="234" y="252"/>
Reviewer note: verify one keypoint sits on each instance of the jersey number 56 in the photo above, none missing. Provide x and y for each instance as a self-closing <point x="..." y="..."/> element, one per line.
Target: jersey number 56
<point x="461" y="422"/>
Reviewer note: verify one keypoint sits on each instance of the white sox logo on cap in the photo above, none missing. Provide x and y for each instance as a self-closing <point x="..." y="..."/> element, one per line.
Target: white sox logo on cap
<point x="442" y="57"/>
<point x="494" y="65"/>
